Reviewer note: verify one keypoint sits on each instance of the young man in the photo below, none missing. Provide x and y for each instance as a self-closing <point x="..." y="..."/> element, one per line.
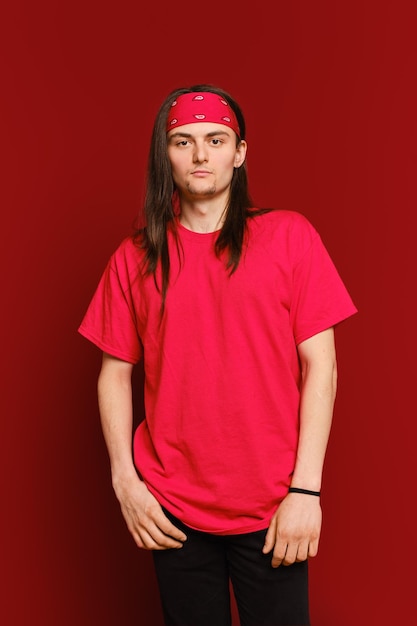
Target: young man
<point x="233" y="311"/>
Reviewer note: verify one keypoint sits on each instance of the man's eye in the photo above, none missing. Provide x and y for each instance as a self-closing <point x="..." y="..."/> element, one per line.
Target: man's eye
<point x="216" y="142"/>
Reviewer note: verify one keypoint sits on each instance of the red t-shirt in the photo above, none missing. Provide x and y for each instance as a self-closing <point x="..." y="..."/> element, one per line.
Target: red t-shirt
<point x="218" y="444"/>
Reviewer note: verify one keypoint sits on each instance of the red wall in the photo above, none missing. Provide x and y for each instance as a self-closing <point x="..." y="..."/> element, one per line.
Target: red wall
<point x="329" y="94"/>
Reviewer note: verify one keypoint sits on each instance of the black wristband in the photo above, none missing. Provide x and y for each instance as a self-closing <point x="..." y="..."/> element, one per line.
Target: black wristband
<point x="306" y="491"/>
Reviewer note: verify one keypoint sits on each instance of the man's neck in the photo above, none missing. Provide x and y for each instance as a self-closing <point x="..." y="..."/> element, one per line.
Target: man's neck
<point x="202" y="217"/>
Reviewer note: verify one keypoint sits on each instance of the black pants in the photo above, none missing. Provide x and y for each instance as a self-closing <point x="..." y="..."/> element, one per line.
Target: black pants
<point x="194" y="582"/>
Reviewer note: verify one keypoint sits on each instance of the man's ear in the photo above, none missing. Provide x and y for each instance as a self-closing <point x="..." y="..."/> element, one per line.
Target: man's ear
<point x="241" y="153"/>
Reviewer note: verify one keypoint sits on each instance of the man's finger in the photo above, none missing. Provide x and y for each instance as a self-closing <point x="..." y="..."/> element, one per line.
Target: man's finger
<point x="279" y="553"/>
<point x="290" y="555"/>
<point x="269" y="538"/>
<point x="168" y="528"/>
<point x="153" y="538"/>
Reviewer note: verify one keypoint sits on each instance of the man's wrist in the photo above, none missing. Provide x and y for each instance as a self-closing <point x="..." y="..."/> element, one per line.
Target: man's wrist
<point x="307" y="492"/>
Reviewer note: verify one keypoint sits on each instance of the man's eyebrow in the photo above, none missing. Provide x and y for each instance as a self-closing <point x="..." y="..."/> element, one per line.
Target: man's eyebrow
<point x="188" y="135"/>
<point x="174" y="135"/>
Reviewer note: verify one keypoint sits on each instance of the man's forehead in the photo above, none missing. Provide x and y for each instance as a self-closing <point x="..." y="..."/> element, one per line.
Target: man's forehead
<point x="198" y="129"/>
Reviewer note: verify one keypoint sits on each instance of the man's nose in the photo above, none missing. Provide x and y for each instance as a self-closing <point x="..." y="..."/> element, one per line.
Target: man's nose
<point x="200" y="152"/>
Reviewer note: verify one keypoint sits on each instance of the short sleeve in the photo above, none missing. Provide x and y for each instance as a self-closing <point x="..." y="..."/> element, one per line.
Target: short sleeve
<point x="110" y="320"/>
<point x="320" y="299"/>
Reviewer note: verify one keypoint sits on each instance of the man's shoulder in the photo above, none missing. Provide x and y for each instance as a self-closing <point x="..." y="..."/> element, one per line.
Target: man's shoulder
<point x="127" y="259"/>
<point x="129" y="248"/>
<point x="280" y="220"/>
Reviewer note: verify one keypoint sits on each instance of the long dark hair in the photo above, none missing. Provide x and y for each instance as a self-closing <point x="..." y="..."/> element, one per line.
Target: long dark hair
<point x="159" y="211"/>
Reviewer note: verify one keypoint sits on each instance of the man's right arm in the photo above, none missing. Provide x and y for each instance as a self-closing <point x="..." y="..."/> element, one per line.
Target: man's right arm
<point x="148" y="524"/>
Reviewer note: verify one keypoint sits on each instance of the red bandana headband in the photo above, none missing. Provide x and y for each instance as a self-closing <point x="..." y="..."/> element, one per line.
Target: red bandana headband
<point x="190" y="108"/>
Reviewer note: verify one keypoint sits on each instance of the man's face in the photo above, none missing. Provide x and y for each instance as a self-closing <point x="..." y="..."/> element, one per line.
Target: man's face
<point x="203" y="156"/>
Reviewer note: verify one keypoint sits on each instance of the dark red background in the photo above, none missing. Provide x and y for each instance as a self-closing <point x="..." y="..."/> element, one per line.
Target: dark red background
<point x="328" y="92"/>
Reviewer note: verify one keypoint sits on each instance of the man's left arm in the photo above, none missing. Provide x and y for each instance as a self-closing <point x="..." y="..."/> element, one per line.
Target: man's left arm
<point x="294" y="531"/>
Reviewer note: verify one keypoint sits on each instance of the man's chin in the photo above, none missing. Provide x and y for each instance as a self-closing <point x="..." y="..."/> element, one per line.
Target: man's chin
<point x="201" y="192"/>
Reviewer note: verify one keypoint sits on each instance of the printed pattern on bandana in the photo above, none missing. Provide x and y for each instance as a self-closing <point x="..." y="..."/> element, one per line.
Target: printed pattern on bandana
<point x="191" y="108"/>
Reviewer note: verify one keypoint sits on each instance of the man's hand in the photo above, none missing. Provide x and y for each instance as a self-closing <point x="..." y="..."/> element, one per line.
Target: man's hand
<point x="294" y="531"/>
<point x="148" y="524"/>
